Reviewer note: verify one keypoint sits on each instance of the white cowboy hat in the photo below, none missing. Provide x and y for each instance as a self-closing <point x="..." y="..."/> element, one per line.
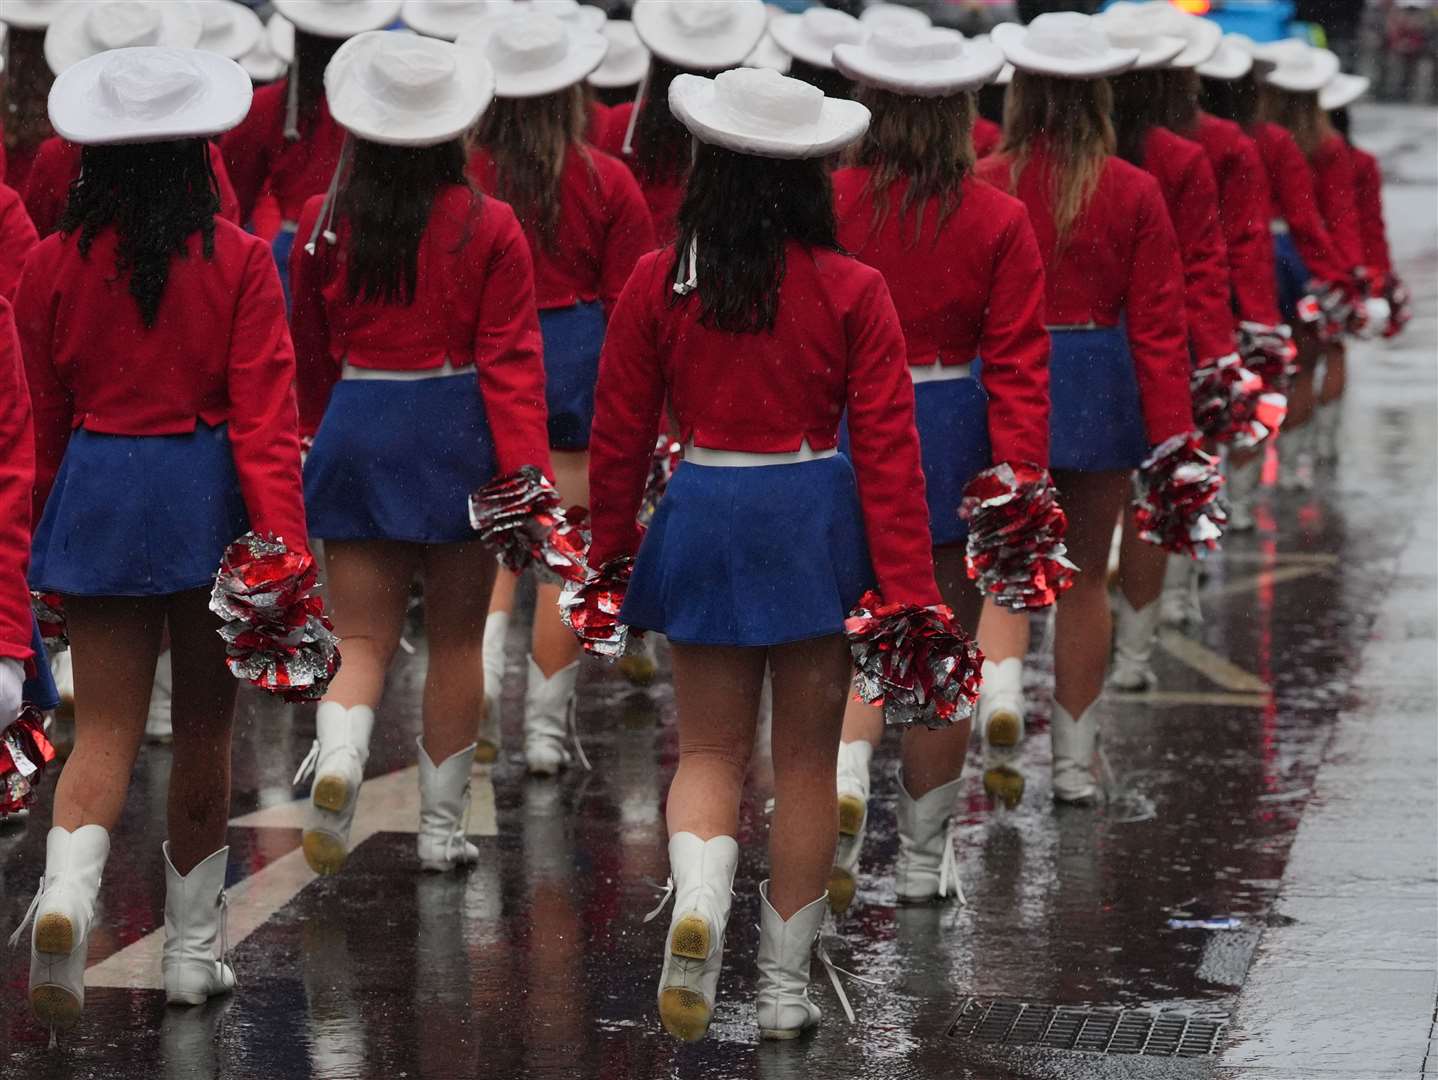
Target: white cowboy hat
<point x="446" y="18"/>
<point x="230" y="28"/>
<point x="758" y="111"/>
<point x="1063" y="44"/>
<point x="627" y="59"/>
<point x="1297" y="66"/>
<point x="570" y="11"/>
<point x="31" y="14"/>
<point x="534" y="54"/>
<point x="95" y="26"/>
<point x="812" y="36"/>
<point x="927" y="62"/>
<point x="767" y="54"/>
<point x="1201" y="36"/>
<point x="1127" y="27"/>
<point x="280" y="33"/>
<point x="1231" y="61"/>
<point x="148" y="94"/>
<point x="262" y="63"/>
<point x="701" y="35"/>
<point x="882" y="16"/>
<point x="406" y="90"/>
<point x="338" y="18"/>
<point x="1006" y="73"/>
<point x="1342" y="91"/>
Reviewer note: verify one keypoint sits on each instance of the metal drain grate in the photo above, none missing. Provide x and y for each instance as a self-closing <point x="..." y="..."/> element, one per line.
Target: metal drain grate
<point x="1087" y="1029"/>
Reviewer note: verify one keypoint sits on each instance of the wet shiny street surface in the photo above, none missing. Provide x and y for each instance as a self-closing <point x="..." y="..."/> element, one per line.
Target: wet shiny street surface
<point x="1265" y="872"/>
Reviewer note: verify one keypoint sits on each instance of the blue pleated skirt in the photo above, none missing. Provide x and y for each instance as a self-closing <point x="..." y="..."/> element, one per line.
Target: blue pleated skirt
<point x="1096" y="415"/>
<point x="952" y="416"/>
<point x="139" y="515"/>
<point x="752" y="555"/>
<point x="573" y="339"/>
<point x="39" y="689"/>
<point x="397" y="459"/>
<point x="1292" y="275"/>
<point x="281" y="246"/>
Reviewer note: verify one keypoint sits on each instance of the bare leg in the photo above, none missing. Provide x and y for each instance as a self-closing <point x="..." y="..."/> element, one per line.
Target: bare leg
<point x="204" y="712"/>
<point x="1004" y="634"/>
<point x="1141" y="565"/>
<point x="369" y="591"/>
<point x="502" y="597"/>
<point x="1335" y="373"/>
<point x="457" y="581"/>
<point x="1300" y="394"/>
<point x="554" y="646"/>
<point x="117" y="641"/>
<point x="1082" y="623"/>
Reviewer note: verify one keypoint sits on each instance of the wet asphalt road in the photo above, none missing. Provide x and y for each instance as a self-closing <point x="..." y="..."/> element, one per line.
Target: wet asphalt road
<point x="538" y="963"/>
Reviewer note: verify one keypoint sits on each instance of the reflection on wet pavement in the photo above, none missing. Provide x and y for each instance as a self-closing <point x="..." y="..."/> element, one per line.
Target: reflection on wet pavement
<point x="538" y="964"/>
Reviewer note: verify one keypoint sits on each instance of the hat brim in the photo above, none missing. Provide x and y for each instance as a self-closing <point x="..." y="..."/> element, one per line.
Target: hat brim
<point x="262" y="65"/>
<point x="788" y="33"/>
<point x="66" y="43"/>
<point x="23" y="15"/>
<point x="242" y="31"/>
<point x="586" y="52"/>
<point x="1158" y="53"/>
<point x="444" y="23"/>
<point x="1342" y="91"/>
<point x="1012" y="39"/>
<point x="366" y="116"/>
<point x="711" y="53"/>
<point x="608" y="76"/>
<point x="1310" y="81"/>
<point x="338" y="20"/>
<point x="979" y="64"/>
<point x="1227" y="64"/>
<point x="692" y="99"/>
<point x="767" y="54"/>
<point x="77" y="115"/>
<point x="1199" y="49"/>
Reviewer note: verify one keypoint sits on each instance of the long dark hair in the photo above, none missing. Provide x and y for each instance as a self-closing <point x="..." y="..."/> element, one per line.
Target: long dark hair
<point x="927" y="141"/>
<point x="156" y="196"/>
<point x="740" y="211"/>
<point x="1232" y="99"/>
<point x="386" y="197"/>
<point x="1180" y="100"/>
<point x="1299" y="113"/>
<point x="1138" y="107"/>
<point x="529" y="140"/>
<point x="661" y="144"/>
<point x="25" y="90"/>
<point x="312" y="55"/>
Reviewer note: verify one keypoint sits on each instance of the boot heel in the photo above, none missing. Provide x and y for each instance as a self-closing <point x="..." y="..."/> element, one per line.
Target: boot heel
<point x="1005" y="729"/>
<point x="851" y="814"/>
<point x="54" y="933"/>
<point x="1005" y="784"/>
<point x="326" y="854"/>
<point x="683" y="1013"/>
<point x="690" y="938"/>
<point x="331" y="793"/>
<point x="841" y="890"/>
<point x="485" y="752"/>
<point x="54" y="1006"/>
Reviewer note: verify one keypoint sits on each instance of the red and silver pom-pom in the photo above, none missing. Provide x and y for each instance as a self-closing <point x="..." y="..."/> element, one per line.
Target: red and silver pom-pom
<point x="49" y="611"/>
<point x="1016" y="546"/>
<point x="276" y="632"/>
<point x="1175" y="496"/>
<point x="1328" y="306"/>
<point x="667" y="455"/>
<point x="1400" y="306"/>
<point x="519" y="514"/>
<point x="24" y="753"/>
<point x="590" y="608"/>
<point x="1270" y="353"/>
<point x="915" y="661"/>
<point x="1231" y="406"/>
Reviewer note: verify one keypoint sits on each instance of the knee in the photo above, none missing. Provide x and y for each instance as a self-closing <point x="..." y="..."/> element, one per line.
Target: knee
<point x="729" y="758"/>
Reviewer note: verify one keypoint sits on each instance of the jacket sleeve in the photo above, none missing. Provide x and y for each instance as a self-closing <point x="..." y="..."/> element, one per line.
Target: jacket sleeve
<point x="1014" y="350"/>
<point x="628" y="407"/>
<point x="246" y="152"/>
<point x="884" y="445"/>
<point x="47" y="188"/>
<point x="1207" y="307"/>
<point x="51" y="404"/>
<point x="508" y="349"/>
<point x="316" y="371"/>
<point x="229" y="200"/>
<point x="1154" y="310"/>
<point x="1369" y="188"/>
<point x="17" y="477"/>
<point x="630" y="236"/>
<point x="1243" y="205"/>
<point x="263" y="422"/>
<point x="17" y="237"/>
<point x="1292" y="180"/>
<point x="1334" y="188"/>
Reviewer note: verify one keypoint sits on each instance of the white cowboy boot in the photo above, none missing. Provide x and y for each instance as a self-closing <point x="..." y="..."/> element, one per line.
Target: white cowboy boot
<point x="159" y="725"/>
<point x="702" y="878"/>
<point x="62" y="670"/>
<point x="1075" y="744"/>
<point x="1295" y="458"/>
<point x="194" y="968"/>
<point x="444" y="810"/>
<point x="496" y="628"/>
<point x="549" y="719"/>
<point x="853" y="789"/>
<point x="64" y="911"/>
<point x="337" y="762"/>
<point x="927" y="867"/>
<point x="1242" y="486"/>
<point x="1179" y="604"/>
<point x="786" y="949"/>
<point x="1001" y="720"/>
<point x="1325" y="431"/>
<point x="1133" y="638"/>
